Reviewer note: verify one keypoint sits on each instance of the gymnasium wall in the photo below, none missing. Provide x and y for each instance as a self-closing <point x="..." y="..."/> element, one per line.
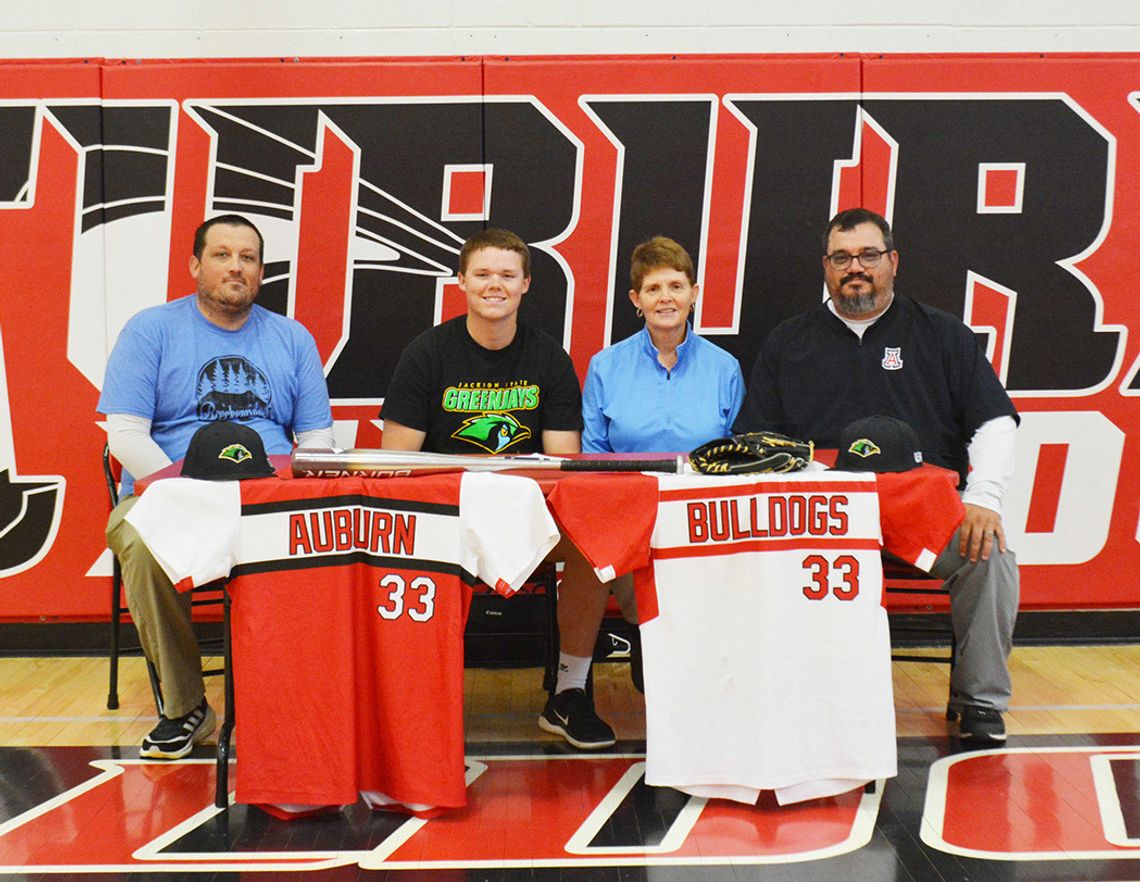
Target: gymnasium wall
<point x="1011" y="180"/>
<point x="303" y="28"/>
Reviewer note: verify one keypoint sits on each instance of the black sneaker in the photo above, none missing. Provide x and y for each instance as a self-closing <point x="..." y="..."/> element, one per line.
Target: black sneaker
<point x="980" y="724"/>
<point x="571" y="714"/>
<point x="173" y="739"/>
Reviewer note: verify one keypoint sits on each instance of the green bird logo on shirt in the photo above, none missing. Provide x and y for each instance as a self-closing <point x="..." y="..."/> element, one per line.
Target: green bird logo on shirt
<point x="494" y="432"/>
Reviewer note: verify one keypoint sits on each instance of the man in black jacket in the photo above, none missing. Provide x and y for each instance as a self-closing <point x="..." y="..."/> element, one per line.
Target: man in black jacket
<point x="868" y="351"/>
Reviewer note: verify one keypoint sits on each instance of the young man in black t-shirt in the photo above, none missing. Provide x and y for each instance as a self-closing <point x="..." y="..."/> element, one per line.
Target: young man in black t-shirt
<point x="487" y="383"/>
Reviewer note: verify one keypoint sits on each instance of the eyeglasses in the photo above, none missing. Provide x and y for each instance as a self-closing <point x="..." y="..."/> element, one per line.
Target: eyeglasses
<point x="868" y="257"/>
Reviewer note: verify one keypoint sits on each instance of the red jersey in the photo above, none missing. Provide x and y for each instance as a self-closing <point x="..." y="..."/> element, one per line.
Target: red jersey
<point x="350" y="597"/>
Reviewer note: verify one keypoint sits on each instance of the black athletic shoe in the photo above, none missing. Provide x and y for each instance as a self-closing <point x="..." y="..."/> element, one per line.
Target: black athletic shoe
<point x="571" y="714"/>
<point x="173" y="739"/>
<point x="980" y="724"/>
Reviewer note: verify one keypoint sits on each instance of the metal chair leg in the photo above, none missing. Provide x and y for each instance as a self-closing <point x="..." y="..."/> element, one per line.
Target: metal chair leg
<point x="113" y="655"/>
<point x="222" y="777"/>
<point x="116" y="588"/>
<point x="155" y="687"/>
<point x="951" y="714"/>
<point x="550" y="673"/>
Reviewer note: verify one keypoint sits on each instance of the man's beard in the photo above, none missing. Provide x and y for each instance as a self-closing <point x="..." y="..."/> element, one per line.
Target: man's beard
<point x="224" y="300"/>
<point x="863" y="303"/>
<point x="858" y="305"/>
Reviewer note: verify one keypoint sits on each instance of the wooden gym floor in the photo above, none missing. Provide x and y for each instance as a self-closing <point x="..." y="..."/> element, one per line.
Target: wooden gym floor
<point x="1058" y="690"/>
<point x="1060" y="801"/>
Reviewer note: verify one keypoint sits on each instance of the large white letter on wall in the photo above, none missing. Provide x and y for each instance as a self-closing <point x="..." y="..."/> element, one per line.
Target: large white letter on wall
<point x="1088" y="486"/>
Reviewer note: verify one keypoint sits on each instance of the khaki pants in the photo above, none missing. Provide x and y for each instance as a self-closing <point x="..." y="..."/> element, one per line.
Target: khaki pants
<point x="161" y="614"/>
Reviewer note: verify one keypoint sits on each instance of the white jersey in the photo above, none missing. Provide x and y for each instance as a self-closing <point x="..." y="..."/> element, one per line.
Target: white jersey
<point x="766" y="647"/>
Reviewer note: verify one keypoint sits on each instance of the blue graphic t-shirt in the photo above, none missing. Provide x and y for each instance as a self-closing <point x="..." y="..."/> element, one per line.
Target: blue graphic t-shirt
<point x="180" y="371"/>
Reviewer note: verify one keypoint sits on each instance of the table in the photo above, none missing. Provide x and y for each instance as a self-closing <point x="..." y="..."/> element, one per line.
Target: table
<point x="329" y="600"/>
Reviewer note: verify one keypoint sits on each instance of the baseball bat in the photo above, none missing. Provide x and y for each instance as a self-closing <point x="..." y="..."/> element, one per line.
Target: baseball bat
<point x="365" y="463"/>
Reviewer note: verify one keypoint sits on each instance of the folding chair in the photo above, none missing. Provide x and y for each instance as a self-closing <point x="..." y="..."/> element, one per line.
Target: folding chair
<point x="900" y="578"/>
<point x="208" y="595"/>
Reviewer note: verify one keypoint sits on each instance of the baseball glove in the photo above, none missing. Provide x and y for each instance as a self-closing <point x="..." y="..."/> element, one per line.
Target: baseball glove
<point x="752" y="452"/>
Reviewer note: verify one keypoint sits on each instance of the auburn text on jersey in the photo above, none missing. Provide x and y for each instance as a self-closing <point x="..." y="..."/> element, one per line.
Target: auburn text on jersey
<point x="352" y="529"/>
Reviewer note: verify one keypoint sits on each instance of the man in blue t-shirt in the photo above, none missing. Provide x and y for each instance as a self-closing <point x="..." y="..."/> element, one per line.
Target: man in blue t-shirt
<point x="210" y="356"/>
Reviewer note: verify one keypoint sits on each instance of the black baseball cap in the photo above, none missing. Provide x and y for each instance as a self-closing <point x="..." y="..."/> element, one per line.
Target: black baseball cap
<point x="878" y="444"/>
<point x="225" y="451"/>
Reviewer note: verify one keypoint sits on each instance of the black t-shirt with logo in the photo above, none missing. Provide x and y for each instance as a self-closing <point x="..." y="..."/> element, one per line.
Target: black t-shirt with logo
<point x="917" y="363"/>
<point x="481" y="401"/>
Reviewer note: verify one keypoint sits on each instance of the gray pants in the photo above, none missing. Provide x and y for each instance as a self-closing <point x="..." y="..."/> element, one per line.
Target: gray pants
<point x="161" y="614"/>
<point x="983" y="609"/>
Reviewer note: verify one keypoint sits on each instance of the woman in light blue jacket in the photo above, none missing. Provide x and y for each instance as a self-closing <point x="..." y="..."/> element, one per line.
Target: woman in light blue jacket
<point x="664" y="388"/>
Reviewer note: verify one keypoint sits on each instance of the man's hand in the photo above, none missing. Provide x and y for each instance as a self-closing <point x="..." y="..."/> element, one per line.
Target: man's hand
<point x="981" y="528"/>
